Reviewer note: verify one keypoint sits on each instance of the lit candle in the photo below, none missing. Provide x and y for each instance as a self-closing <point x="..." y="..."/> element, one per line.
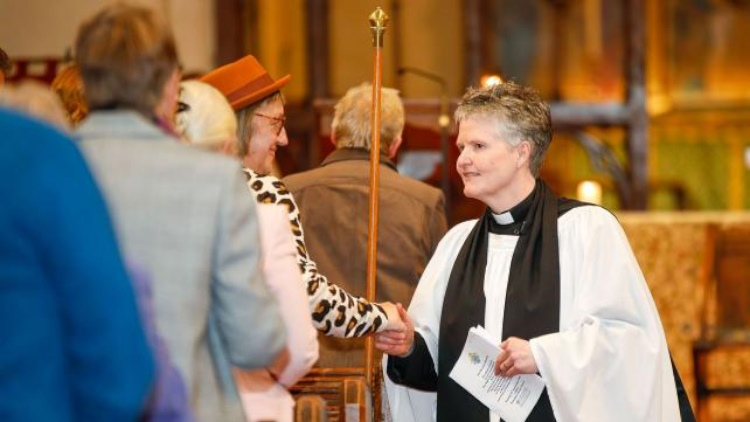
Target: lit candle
<point x="590" y="191"/>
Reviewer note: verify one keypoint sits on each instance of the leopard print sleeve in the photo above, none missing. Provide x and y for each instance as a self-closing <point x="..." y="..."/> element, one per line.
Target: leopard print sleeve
<point x="334" y="311"/>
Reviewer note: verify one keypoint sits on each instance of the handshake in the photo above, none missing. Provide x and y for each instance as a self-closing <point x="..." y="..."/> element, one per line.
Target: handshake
<point x="397" y="339"/>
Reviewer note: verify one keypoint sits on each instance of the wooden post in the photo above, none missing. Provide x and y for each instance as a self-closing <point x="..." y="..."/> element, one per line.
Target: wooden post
<point x="637" y="132"/>
<point x="317" y="46"/>
<point x="318" y="70"/>
<point x="230" y="44"/>
<point x="472" y="41"/>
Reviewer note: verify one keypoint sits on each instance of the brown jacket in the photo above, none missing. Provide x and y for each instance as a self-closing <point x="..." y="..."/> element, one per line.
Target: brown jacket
<point x="333" y="203"/>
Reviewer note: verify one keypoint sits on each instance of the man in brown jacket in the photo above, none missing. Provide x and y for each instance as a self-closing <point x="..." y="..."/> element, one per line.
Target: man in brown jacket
<point x="333" y="202"/>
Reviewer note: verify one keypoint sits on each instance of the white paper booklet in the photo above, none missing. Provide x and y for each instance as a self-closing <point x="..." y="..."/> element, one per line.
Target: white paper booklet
<point x="512" y="398"/>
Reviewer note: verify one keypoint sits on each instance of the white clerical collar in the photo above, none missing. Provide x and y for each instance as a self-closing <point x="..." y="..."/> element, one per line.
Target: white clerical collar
<point x="504" y="218"/>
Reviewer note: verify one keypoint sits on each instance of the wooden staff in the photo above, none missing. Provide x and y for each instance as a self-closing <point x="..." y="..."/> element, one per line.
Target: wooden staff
<point x="378" y="21"/>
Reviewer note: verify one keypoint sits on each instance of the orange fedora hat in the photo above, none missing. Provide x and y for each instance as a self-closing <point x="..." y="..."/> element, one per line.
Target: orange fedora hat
<point x="244" y="82"/>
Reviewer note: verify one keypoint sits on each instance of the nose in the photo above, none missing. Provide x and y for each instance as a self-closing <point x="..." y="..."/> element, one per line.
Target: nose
<point x="463" y="159"/>
<point x="282" y="140"/>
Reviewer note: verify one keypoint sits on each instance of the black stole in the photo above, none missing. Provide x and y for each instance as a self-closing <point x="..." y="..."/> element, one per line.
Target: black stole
<point x="532" y="304"/>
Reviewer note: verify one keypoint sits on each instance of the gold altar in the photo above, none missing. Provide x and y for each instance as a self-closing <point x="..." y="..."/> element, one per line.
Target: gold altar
<point x="676" y="252"/>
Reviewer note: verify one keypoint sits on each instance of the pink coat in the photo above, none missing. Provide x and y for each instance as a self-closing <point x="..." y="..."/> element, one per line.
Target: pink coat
<point x="262" y="397"/>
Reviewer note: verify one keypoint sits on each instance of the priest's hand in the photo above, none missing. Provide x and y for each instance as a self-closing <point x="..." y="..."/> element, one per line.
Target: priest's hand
<point x="397" y="343"/>
<point x="515" y="358"/>
<point x="394" y="318"/>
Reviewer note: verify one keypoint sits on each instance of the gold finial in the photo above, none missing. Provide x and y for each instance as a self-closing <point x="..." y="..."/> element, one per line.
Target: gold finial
<point x="378" y="22"/>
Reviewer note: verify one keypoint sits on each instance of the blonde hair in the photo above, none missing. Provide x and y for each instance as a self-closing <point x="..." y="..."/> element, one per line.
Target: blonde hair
<point x="352" y="114"/>
<point x="205" y="117"/>
<point x="520" y="114"/>
<point x="126" y="54"/>
<point x="37" y="100"/>
<point x="68" y="86"/>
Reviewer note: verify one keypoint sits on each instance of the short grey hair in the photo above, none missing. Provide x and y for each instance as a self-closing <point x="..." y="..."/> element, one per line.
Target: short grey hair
<point x="126" y="55"/>
<point x="520" y="113"/>
<point x="352" y="114"/>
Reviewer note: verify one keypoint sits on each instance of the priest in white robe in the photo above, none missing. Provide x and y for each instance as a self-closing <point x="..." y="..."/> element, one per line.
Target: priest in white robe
<point x="554" y="278"/>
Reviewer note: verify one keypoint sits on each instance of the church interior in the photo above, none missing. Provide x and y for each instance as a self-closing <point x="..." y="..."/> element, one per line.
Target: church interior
<point x="650" y="103"/>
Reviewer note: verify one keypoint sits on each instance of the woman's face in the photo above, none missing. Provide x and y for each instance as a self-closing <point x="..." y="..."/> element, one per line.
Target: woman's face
<point x="492" y="170"/>
<point x="267" y="133"/>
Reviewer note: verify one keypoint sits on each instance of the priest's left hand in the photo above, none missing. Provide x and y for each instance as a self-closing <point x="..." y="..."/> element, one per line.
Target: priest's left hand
<point x="515" y="358"/>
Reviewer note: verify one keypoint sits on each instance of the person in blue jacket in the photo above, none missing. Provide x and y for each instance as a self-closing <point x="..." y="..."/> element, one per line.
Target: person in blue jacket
<point x="72" y="347"/>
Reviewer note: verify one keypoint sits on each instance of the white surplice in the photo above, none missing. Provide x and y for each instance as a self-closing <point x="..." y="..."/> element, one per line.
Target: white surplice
<point x="609" y="362"/>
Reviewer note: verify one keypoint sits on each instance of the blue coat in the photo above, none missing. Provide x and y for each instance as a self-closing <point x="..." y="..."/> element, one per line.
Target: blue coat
<point x="71" y="343"/>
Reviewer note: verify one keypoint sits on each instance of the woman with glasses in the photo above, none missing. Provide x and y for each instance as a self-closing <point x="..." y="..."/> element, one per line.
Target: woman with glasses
<point x="259" y="107"/>
<point x="206" y="120"/>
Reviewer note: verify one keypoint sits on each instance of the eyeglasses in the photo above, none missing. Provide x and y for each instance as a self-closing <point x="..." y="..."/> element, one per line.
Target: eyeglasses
<point x="280" y="121"/>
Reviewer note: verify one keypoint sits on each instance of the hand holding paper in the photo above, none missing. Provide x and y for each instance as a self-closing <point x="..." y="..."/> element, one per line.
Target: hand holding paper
<point x="515" y="358"/>
<point x="511" y="397"/>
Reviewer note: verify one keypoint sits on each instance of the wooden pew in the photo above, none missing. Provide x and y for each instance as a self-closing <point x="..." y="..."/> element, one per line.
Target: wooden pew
<point x="347" y="396"/>
<point x="310" y="408"/>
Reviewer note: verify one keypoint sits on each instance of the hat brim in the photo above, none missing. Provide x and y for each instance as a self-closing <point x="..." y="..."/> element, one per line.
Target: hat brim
<point x="260" y="94"/>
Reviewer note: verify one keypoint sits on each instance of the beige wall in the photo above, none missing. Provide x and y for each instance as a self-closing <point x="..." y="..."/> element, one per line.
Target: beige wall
<point x="283" y="49"/>
<point x="33" y="28"/>
<point x="430" y="37"/>
<point x="351" y="51"/>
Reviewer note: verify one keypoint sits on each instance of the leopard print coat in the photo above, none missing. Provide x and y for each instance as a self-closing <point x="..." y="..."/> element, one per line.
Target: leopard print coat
<point x="334" y="311"/>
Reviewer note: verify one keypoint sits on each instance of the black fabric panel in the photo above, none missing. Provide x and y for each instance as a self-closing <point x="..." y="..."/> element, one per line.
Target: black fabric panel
<point x="416" y="370"/>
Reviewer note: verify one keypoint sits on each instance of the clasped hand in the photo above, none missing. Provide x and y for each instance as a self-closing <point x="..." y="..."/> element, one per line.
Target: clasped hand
<point x="399" y="340"/>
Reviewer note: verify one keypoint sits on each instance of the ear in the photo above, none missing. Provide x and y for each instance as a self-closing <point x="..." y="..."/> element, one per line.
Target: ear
<point x="524" y="154"/>
<point x="395" y="145"/>
<point x="333" y="139"/>
<point x="167" y="106"/>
